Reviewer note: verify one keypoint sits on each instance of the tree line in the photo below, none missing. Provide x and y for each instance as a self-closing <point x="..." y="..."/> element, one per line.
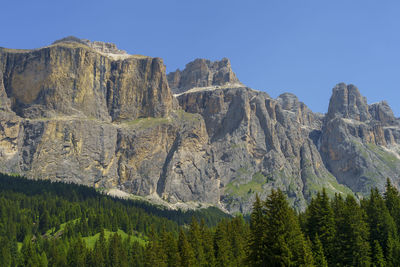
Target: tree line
<point x="331" y="232"/>
<point x="56" y="224"/>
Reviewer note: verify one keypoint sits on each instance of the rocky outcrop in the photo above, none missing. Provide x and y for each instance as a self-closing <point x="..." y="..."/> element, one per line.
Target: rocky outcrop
<point x="87" y="112"/>
<point x="382" y="113"/>
<point x="359" y="143"/>
<point x="202" y="73"/>
<point x="259" y="143"/>
<point x="347" y="102"/>
<point x="70" y="78"/>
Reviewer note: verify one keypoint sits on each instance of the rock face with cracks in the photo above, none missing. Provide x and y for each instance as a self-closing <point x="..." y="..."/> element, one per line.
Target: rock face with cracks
<point x="89" y="113"/>
<point x="202" y="73"/>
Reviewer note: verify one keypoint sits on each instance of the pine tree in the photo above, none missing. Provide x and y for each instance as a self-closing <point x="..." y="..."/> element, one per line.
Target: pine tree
<point x="318" y="252"/>
<point x="284" y="242"/>
<point x="222" y="249"/>
<point x="308" y="257"/>
<point x="256" y="255"/>
<point x="116" y="255"/>
<point x="353" y="248"/>
<point x="378" y="259"/>
<point x="170" y="248"/>
<point x="43" y="262"/>
<point x="5" y="254"/>
<point x="238" y="232"/>
<point x="186" y="253"/>
<point x="208" y="244"/>
<point x="194" y="237"/>
<point x="137" y="255"/>
<point x="320" y="221"/>
<point x="392" y="201"/>
<point x="392" y="246"/>
<point x="77" y="253"/>
<point x="393" y="252"/>
<point x="44" y="221"/>
<point x="98" y="256"/>
<point x="29" y="255"/>
<point x="57" y="253"/>
<point x="381" y="223"/>
<point x="154" y="253"/>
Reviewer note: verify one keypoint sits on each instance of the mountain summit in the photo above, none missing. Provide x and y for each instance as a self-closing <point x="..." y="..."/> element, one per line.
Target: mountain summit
<point x="203" y="73"/>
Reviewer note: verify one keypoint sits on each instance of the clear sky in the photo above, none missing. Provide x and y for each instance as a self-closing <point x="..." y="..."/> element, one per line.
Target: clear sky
<point x="300" y="46"/>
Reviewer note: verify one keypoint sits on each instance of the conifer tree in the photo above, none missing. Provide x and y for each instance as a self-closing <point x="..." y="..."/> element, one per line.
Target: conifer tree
<point x="318" y="253"/>
<point x="238" y="233"/>
<point x="392" y="201"/>
<point x="208" y="244"/>
<point x="381" y="223"/>
<point x="256" y="253"/>
<point x="353" y="248"/>
<point x="29" y="254"/>
<point x="194" y="237"/>
<point x="98" y="254"/>
<point x="284" y="242"/>
<point x="44" y="221"/>
<point x="43" y="262"/>
<point x="77" y="253"/>
<point x="378" y="259"/>
<point x="393" y="253"/>
<point x="320" y="221"/>
<point x="116" y="255"/>
<point x="222" y="249"/>
<point x="137" y="255"/>
<point x="186" y="253"/>
<point x="5" y="254"/>
<point x="170" y="248"/>
<point x="154" y="253"/>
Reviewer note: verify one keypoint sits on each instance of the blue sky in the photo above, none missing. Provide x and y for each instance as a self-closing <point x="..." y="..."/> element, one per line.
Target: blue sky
<point x="304" y="47"/>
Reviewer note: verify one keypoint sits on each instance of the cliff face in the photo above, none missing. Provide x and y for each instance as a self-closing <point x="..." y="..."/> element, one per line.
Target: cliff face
<point x="70" y="78"/>
<point x="360" y="143"/>
<point x="259" y="143"/>
<point x="89" y="113"/>
<point x="202" y="73"/>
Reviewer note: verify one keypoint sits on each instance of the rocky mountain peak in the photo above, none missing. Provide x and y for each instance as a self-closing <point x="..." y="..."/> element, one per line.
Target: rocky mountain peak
<point x="299" y="111"/>
<point x="288" y="101"/>
<point x="202" y="73"/>
<point x="102" y="47"/>
<point x="347" y="102"/>
<point x="382" y="112"/>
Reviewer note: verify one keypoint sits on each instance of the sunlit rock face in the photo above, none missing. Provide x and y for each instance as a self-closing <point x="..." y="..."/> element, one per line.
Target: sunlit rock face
<point x="203" y="73"/>
<point x="72" y="78"/>
<point x="360" y="143"/>
<point x="90" y="113"/>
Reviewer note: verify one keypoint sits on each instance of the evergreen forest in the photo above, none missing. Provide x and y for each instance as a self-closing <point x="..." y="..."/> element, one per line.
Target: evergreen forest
<point x="45" y="223"/>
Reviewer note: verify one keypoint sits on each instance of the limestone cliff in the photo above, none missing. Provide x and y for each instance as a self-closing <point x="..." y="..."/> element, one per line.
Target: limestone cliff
<point x="259" y="143"/>
<point x="360" y="143"/>
<point x="202" y="73"/>
<point x="88" y="112"/>
<point x="71" y="78"/>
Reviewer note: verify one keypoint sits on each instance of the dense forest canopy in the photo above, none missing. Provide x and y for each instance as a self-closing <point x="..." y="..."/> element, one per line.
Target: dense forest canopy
<point x="55" y="224"/>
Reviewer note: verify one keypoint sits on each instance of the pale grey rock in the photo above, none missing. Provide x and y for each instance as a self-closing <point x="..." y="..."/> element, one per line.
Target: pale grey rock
<point x="259" y="144"/>
<point x="355" y="145"/>
<point x="70" y="78"/>
<point x="382" y="112"/>
<point x="202" y="73"/>
<point x="347" y="102"/>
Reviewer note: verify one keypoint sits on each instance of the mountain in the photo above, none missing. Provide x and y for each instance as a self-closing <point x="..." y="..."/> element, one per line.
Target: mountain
<point x="88" y="113"/>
